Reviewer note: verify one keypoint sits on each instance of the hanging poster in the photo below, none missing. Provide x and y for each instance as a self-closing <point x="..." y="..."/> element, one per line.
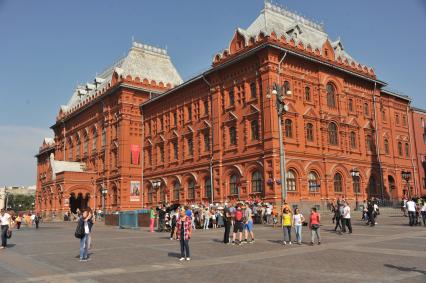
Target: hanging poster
<point x="134" y="154"/>
<point x="135" y="191"/>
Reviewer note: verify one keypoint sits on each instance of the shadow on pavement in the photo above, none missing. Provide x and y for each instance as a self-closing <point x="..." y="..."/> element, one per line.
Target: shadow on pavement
<point x="174" y="255"/>
<point x="406" y="269"/>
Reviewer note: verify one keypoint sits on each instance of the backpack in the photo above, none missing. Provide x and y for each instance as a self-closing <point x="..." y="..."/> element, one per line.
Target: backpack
<point x="79" y="231"/>
<point x="238" y="215"/>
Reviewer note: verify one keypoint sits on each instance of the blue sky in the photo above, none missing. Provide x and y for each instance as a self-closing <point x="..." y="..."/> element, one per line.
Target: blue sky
<point x="47" y="47"/>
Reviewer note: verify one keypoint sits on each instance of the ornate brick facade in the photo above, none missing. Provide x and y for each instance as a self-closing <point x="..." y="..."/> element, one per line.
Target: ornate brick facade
<point x="224" y="122"/>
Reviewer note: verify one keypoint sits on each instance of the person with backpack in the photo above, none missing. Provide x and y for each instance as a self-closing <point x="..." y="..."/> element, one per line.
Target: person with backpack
<point x="84" y="225"/>
<point x="314" y="225"/>
<point x="238" y="225"/>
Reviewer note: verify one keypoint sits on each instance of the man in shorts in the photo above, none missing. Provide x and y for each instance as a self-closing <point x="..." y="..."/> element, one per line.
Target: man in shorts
<point x="248" y="224"/>
<point x="238" y="225"/>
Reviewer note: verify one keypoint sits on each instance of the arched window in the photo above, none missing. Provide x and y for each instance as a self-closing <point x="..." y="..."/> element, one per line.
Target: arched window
<point x="256" y="182"/>
<point x="70" y="149"/>
<point x="254" y="130"/>
<point x="307" y="93"/>
<point x="103" y="141"/>
<point x="407" y="150"/>
<point x="313" y="182"/>
<point x="288" y="128"/>
<point x="233" y="184"/>
<point x="331" y="96"/>
<point x="400" y="148"/>
<point x="386" y="143"/>
<point x="287" y="88"/>
<point x="78" y="146"/>
<point x="332" y="134"/>
<point x="207" y="188"/>
<point x="353" y="140"/>
<point x="85" y="143"/>
<point x="372" y="187"/>
<point x="231" y="97"/>
<point x="232" y="135"/>
<point x="190" y="146"/>
<point x="291" y="180"/>
<point x="366" y="110"/>
<point x="150" y="194"/>
<point x="253" y="93"/>
<point x="338" y="186"/>
<point x="309" y="132"/>
<point x="191" y="189"/>
<point x="95" y="138"/>
<point x="370" y="144"/>
<point x="350" y="105"/>
<point x="176" y="191"/>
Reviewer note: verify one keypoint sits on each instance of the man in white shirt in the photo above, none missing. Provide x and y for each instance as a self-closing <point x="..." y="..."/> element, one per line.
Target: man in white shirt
<point x="5" y="226"/>
<point x="347" y="218"/>
<point x="411" y="207"/>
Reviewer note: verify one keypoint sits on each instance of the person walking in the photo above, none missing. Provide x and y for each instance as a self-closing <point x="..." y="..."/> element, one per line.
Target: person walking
<point x="6" y="227"/>
<point x="206" y="219"/>
<point x="370" y="212"/>
<point x="18" y="221"/>
<point x="337" y="218"/>
<point x="314" y="225"/>
<point x="423" y="212"/>
<point x="37" y="220"/>
<point x="298" y="220"/>
<point x="86" y="221"/>
<point x="151" y="219"/>
<point x="287" y="224"/>
<point x="411" y="207"/>
<point x="183" y="235"/>
<point x="248" y="225"/>
<point x="347" y="218"/>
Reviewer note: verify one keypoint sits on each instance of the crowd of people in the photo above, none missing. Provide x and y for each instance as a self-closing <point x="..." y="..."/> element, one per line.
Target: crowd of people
<point x="415" y="207"/>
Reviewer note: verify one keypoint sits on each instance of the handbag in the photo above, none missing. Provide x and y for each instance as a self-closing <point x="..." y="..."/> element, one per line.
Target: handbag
<point x="79" y="231"/>
<point x="9" y="234"/>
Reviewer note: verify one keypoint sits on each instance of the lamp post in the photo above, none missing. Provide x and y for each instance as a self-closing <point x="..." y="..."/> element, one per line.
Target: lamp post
<point x="282" y="108"/>
<point x="156" y="184"/>
<point x="406" y="175"/>
<point x="355" y="178"/>
<point x="104" y="192"/>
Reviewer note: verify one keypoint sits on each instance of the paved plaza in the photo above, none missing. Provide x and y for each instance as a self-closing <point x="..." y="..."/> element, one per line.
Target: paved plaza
<point x="390" y="252"/>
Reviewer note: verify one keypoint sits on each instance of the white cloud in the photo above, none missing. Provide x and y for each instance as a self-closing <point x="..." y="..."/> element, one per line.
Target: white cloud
<point x="18" y="145"/>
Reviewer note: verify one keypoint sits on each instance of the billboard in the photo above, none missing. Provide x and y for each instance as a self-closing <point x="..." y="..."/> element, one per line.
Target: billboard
<point x="135" y="191"/>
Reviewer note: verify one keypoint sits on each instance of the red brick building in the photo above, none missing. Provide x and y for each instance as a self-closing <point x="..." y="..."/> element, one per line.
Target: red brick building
<point x="215" y="136"/>
<point x="418" y="120"/>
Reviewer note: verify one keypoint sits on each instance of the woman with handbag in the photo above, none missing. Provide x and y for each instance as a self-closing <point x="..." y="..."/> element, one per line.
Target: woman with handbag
<point x="6" y="232"/>
<point x="314" y="225"/>
<point x="84" y="227"/>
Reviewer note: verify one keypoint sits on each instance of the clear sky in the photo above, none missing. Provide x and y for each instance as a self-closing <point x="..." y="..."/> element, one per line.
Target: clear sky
<point x="47" y="47"/>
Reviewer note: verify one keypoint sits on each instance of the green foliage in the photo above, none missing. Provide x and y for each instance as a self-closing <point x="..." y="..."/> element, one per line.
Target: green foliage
<point x="21" y="202"/>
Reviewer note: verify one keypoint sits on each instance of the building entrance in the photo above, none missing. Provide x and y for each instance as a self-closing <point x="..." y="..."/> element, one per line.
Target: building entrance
<point x="79" y="201"/>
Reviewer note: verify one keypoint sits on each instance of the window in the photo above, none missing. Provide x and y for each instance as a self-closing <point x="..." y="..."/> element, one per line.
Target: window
<point x="232" y="136"/>
<point x="95" y="139"/>
<point x="174" y="119"/>
<point x="332" y="134"/>
<point x="206" y="107"/>
<point x="372" y="185"/>
<point x="149" y="156"/>
<point x="256" y="182"/>
<point x="254" y="125"/>
<point x="191" y="189"/>
<point x="338" y="186"/>
<point x="85" y="143"/>
<point x="404" y="120"/>
<point x="233" y="185"/>
<point x="189" y="113"/>
<point x="352" y="140"/>
<point x="397" y="119"/>
<point x="150" y="195"/>
<point x="400" y="148"/>
<point x="313" y="182"/>
<point x="287" y="88"/>
<point x="384" y="115"/>
<point x="291" y="180"/>
<point x="356" y="185"/>
<point x="307" y="94"/>
<point x="386" y="143"/>
<point x="253" y="91"/>
<point x="370" y="144"/>
<point x="160" y="126"/>
<point x="161" y="152"/>
<point x="70" y="151"/>
<point x="231" y="97"/>
<point x="424" y="137"/>
<point x="176" y="191"/>
<point x="175" y="150"/>
<point x="331" y="96"/>
<point x="103" y="141"/>
<point x="366" y="111"/>
<point x="206" y="141"/>
<point x="207" y="188"/>
<point x="407" y="150"/>
<point x="190" y="146"/>
<point x="288" y="127"/>
<point x="351" y="105"/>
<point x="310" y="132"/>
<point x="78" y="149"/>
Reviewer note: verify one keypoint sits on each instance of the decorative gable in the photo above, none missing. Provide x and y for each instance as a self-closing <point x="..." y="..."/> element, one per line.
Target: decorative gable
<point x="310" y="112"/>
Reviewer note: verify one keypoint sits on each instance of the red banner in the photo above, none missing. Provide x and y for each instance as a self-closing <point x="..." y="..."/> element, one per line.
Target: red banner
<point x="134" y="154"/>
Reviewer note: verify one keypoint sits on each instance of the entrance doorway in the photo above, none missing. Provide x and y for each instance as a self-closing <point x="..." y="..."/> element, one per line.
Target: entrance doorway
<point x="79" y="202"/>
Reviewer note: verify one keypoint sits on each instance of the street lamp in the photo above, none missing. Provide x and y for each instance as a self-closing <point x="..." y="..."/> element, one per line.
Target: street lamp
<point x="355" y="178"/>
<point x="156" y="184"/>
<point x="406" y="175"/>
<point x="282" y="108"/>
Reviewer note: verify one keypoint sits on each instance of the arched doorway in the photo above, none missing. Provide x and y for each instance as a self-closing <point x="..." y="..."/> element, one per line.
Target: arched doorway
<point x="79" y="202"/>
<point x="392" y="187"/>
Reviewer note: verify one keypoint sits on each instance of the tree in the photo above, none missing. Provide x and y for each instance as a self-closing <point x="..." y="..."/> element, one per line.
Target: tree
<point x="21" y="202"/>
